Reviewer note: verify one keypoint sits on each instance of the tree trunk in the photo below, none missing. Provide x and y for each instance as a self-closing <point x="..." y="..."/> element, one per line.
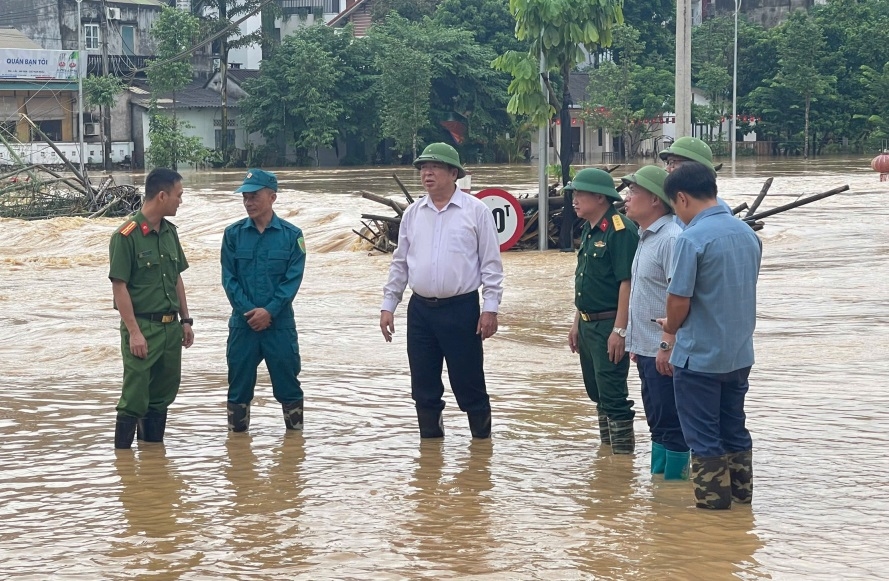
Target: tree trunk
<point x="223" y="74"/>
<point x="806" y="131"/>
<point x="566" y="232"/>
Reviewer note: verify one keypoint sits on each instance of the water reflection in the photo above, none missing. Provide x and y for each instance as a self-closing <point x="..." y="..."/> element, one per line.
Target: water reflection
<point x="451" y="526"/>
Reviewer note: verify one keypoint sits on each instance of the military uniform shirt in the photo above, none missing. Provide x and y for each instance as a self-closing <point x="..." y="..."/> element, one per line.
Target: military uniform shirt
<point x="263" y="270"/>
<point x="150" y="262"/>
<point x="604" y="260"/>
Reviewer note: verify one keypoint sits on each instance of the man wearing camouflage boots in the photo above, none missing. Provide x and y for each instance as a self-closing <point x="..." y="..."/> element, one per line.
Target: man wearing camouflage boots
<point x="602" y="297"/>
<point x="263" y="258"/>
<point x="711" y="308"/>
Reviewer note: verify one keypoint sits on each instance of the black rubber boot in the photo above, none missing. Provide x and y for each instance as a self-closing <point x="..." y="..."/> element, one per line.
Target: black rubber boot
<point x="151" y="427"/>
<point x="124" y="432"/>
<point x="480" y="425"/>
<point x="293" y="415"/>
<point x="238" y="416"/>
<point x="604" y="433"/>
<point x="430" y="422"/>
<point x="623" y="440"/>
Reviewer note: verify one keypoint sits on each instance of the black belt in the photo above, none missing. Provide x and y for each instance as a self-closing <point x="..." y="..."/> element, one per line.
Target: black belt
<point x="158" y="317"/>
<point x="447" y="300"/>
<point x="598" y="316"/>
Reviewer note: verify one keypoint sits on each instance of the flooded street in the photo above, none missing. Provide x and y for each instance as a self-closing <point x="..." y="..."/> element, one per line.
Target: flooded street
<point x="356" y="495"/>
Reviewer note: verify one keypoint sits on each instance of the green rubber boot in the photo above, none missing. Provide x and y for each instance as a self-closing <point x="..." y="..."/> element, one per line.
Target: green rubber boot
<point x="658" y="458"/>
<point x="623" y="441"/>
<point x="740" y="466"/>
<point x="604" y="433"/>
<point x="676" y="467"/>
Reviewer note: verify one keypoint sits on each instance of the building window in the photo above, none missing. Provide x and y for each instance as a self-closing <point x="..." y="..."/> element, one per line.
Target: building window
<point x="91" y="36"/>
<point x="231" y="138"/>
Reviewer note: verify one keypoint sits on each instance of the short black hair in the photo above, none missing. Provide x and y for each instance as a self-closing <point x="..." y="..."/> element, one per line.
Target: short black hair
<point x="695" y="179"/>
<point x="160" y="179"/>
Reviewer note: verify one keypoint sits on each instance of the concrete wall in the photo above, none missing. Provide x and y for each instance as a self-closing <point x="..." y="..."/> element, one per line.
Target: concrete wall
<point x="41" y="153"/>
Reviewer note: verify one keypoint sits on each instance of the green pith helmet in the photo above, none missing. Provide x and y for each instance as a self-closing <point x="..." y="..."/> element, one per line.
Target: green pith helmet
<point x="594" y="181"/>
<point x="650" y="177"/>
<point x="690" y="148"/>
<point x="441" y="152"/>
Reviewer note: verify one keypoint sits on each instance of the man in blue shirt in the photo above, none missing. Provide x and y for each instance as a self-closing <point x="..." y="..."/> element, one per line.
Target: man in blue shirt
<point x="711" y="307"/>
<point x="263" y="258"/>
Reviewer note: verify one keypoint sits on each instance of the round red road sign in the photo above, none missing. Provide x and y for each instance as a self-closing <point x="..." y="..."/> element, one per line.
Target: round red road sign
<point x="508" y="215"/>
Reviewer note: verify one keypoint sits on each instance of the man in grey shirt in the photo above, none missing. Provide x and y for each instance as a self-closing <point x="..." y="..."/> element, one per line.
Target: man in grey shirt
<point x="649" y="346"/>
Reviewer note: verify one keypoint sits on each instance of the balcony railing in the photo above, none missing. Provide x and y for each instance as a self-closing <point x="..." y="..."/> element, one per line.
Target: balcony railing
<point x="310" y="6"/>
<point x="118" y="64"/>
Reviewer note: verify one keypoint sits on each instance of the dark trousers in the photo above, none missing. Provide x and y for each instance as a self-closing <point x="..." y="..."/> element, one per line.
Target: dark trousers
<point x="711" y="411"/>
<point x="660" y="406"/>
<point x="605" y="382"/>
<point x="446" y="331"/>
<point x="247" y="348"/>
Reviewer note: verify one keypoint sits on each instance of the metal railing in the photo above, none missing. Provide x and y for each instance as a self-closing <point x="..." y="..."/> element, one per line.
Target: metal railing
<point x="118" y="64"/>
<point x="309" y="6"/>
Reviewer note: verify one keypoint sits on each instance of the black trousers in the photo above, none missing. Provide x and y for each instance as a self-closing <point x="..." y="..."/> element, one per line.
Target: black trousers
<point x="445" y="330"/>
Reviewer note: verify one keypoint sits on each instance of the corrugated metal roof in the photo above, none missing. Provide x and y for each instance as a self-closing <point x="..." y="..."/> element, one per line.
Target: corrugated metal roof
<point x="12" y="38"/>
<point x="192" y="96"/>
<point x="138" y="2"/>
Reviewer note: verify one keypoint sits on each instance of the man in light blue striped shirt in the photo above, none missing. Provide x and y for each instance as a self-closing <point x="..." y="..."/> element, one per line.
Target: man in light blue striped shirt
<point x="649" y="346"/>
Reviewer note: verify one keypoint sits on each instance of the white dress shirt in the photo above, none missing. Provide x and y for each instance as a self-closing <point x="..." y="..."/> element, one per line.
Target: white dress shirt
<point x="445" y="253"/>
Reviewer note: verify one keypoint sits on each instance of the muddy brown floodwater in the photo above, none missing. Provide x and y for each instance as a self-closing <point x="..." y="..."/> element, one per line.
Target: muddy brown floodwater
<point x="357" y="496"/>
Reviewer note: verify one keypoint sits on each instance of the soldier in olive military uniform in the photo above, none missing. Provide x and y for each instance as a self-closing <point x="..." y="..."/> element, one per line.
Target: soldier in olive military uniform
<point x="602" y="297"/>
<point x="146" y="265"/>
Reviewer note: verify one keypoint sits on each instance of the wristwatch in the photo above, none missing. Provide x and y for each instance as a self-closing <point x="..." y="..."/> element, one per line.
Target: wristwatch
<point x="620" y="331"/>
<point x="188" y="322"/>
<point x="665" y="346"/>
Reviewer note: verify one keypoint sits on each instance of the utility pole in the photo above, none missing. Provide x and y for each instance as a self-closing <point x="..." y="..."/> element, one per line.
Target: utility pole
<point x="105" y="111"/>
<point x="223" y="77"/>
<point x="80" y="72"/>
<point x="683" y="68"/>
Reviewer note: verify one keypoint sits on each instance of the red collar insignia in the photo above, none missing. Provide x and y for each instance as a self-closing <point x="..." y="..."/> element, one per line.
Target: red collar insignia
<point x="145" y="229"/>
<point x="603" y="226"/>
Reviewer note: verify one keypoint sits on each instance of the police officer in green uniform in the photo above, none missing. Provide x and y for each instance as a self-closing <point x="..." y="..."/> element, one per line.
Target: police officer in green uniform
<point x="602" y="297"/>
<point x="263" y="258"/>
<point x="146" y="265"/>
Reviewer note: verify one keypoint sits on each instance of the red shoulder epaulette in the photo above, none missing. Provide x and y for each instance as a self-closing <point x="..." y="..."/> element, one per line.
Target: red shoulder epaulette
<point x="127" y="228"/>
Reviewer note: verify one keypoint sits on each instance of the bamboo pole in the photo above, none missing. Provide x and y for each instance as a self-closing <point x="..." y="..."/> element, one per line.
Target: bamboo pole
<point x="407" y="194"/>
<point x="760" y="197"/>
<point x="58" y="151"/>
<point x="383" y="200"/>
<point x="796" y="204"/>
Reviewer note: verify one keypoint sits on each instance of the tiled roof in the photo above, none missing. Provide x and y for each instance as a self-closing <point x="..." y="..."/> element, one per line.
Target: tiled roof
<point x="192" y="96"/>
<point x="241" y="75"/>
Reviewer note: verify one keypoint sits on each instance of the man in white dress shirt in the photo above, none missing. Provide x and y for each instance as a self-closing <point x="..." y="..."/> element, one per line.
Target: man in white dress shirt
<point x="447" y="249"/>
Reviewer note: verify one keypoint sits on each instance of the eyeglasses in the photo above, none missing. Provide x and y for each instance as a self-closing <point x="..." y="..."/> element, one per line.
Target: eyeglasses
<point x="674" y="162"/>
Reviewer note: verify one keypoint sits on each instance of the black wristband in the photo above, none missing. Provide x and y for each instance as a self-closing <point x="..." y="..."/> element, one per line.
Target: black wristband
<point x="188" y="322"/>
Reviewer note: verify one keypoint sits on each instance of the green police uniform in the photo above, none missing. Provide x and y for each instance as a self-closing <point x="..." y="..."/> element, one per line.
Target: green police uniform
<point x="150" y="262"/>
<point x="604" y="260"/>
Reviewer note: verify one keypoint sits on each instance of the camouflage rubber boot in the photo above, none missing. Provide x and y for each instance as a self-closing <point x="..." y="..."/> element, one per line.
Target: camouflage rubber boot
<point x="124" y="432"/>
<point x="676" y="466"/>
<point x="623" y="440"/>
<point x="293" y="415"/>
<point x="430" y="422"/>
<point x="480" y="425"/>
<point x="153" y="426"/>
<point x="712" y="483"/>
<point x="740" y="466"/>
<point x="238" y="416"/>
<point x="658" y="458"/>
<point x="604" y="434"/>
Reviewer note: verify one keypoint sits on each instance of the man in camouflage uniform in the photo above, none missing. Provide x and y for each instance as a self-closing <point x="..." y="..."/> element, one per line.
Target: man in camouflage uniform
<point x="711" y="308"/>
<point x="146" y="262"/>
<point x="602" y="297"/>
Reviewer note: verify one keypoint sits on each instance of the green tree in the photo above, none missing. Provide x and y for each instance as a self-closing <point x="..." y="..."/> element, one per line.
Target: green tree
<point x="414" y="10"/>
<point x="464" y="90"/>
<point x="800" y="51"/>
<point x="102" y="92"/>
<point x="626" y="99"/>
<point x="404" y="83"/>
<point x="563" y="32"/>
<point x="295" y="96"/>
<point x="656" y="22"/>
<point x="216" y="16"/>
<point x="174" y="33"/>
<point x="489" y="21"/>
